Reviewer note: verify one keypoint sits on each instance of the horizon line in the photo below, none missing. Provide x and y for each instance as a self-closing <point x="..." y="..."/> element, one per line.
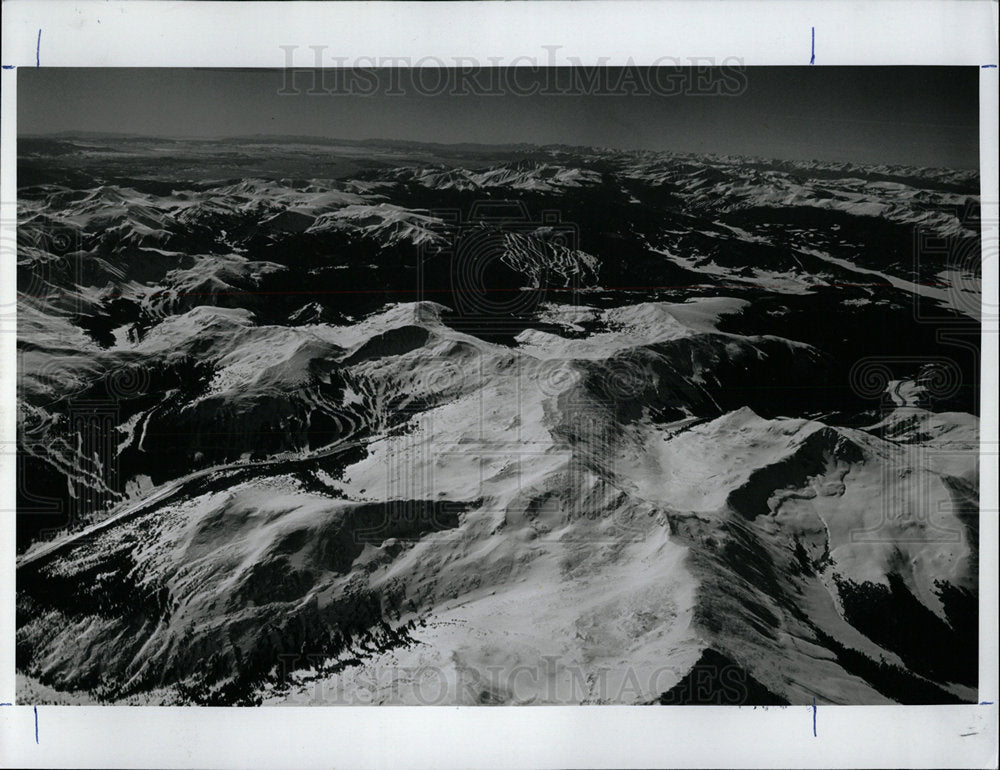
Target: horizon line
<point x="482" y="145"/>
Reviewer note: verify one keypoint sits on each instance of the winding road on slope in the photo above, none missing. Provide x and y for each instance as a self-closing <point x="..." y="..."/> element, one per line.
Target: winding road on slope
<point x="133" y="509"/>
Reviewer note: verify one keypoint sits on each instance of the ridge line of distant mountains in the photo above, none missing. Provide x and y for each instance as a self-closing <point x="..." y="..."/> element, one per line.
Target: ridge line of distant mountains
<point x="786" y="164"/>
<point x="304" y="138"/>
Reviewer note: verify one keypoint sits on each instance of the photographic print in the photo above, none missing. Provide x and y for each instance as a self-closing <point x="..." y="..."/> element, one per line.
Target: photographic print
<point x="498" y="385"/>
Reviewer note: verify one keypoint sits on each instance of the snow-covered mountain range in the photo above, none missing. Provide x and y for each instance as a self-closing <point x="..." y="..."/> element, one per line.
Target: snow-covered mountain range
<point x="307" y="421"/>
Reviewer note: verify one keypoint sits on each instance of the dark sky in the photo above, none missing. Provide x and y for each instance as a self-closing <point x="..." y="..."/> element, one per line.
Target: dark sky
<point x="924" y="116"/>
